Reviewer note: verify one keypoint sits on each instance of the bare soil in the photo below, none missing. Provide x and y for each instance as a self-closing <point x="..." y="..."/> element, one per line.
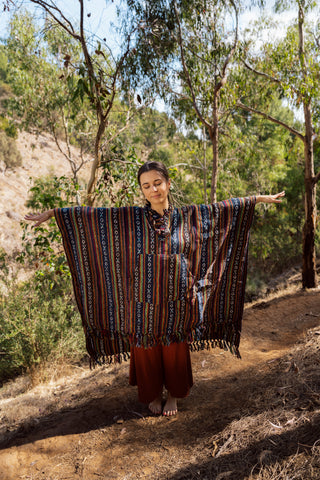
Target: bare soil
<point x="255" y="418"/>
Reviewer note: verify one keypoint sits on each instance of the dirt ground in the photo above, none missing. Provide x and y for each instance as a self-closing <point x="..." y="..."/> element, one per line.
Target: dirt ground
<point x="244" y="419"/>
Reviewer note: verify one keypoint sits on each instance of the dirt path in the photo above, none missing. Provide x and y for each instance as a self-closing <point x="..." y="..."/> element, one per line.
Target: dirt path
<point x="90" y="426"/>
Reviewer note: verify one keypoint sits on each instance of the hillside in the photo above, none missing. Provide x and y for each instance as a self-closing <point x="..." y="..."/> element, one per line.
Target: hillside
<point x="255" y="418"/>
<point x="40" y="157"/>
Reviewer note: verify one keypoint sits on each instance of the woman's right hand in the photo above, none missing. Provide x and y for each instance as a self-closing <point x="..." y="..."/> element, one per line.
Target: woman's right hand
<point x="39" y="217"/>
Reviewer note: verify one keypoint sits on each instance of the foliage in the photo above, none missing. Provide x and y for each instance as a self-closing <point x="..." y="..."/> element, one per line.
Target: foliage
<point x="38" y="318"/>
<point x="44" y="87"/>
<point x="42" y="246"/>
<point x="155" y="136"/>
<point x="3" y="64"/>
<point x="67" y="84"/>
<point x="258" y="157"/>
<point x="280" y="61"/>
<point x="187" y="50"/>
<point x="9" y="154"/>
<point x="98" y="76"/>
<point x="117" y="185"/>
<point x="8" y="127"/>
<point x="38" y="321"/>
<point x="149" y="129"/>
<point x="291" y="67"/>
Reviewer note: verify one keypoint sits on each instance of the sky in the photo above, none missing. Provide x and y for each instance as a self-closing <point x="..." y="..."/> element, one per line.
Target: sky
<point x="103" y="14"/>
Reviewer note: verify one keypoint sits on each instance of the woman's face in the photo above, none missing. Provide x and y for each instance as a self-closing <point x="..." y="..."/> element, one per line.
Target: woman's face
<point x="155" y="189"/>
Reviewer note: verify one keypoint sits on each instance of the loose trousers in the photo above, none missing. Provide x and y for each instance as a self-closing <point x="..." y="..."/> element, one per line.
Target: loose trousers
<point x="155" y="367"/>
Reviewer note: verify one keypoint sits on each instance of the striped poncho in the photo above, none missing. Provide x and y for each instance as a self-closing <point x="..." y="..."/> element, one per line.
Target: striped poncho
<point x="134" y="286"/>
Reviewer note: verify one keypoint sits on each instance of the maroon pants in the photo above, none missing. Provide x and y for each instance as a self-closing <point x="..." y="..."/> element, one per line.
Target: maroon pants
<point x="151" y="368"/>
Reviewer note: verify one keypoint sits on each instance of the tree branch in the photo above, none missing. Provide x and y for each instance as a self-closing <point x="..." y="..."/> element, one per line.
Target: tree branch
<point x="129" y="117"/>
<point x="195" y="54"/>
<point x="261" y="74"/>
<point x="223" y="79"/>
<point x="6" y="5"/>
<point x="48" y="8"/>
<point x="316" y="178"/>
<point x="271" y="119"/>
<point x="186" y="72"/>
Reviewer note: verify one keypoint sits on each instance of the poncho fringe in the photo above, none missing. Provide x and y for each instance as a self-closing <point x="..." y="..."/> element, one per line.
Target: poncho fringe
<point x="135" y="287"/>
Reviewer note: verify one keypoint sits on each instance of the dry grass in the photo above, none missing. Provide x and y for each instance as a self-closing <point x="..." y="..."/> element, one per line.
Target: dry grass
<point x="285" y="437"/>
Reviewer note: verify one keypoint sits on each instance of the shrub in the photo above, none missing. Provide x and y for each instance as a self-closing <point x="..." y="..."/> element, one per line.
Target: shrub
<point x="9" y="154"/>
<point x="39" y="322"/>
<point x="3" y="63"/>
<point x="8" y="127"/>
<point x="43" y="245"/>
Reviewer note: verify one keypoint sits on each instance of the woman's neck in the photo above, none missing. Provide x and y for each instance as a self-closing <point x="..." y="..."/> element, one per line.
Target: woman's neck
<point x="160" y="208"/>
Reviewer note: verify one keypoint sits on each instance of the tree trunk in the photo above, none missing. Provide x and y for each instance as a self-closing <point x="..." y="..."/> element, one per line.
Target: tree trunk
<point x="204" y="165"/>
<point x="214" y="136"/>
<point x="95" y="165"/>
<point x="309" y="274"/>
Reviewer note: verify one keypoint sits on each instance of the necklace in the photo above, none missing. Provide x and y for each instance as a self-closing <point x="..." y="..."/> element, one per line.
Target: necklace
<point x="160" y="223"/>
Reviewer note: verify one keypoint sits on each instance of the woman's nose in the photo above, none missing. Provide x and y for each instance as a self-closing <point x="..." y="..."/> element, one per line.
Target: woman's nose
<point x="155" y="188"/>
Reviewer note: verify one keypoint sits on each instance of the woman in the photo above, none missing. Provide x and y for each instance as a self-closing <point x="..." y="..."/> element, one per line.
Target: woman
<point x="155" y="279"/>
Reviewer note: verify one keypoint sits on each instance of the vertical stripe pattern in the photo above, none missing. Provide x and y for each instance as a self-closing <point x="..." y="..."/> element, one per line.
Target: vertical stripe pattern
<point x="134" y="286"/>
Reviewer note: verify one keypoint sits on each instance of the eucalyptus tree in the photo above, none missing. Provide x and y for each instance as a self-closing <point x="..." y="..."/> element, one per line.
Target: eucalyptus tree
<point x="183" y="51"/>
<point x="291" y="66"/>
<point x="43" y="86"/>
<point x="93" y="77"/>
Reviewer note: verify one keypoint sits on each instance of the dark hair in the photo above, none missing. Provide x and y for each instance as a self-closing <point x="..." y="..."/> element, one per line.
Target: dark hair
<point x="158" y="166"/>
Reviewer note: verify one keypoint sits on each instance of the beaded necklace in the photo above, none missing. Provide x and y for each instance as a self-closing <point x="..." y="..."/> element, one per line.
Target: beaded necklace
<point x="160" y="223"/>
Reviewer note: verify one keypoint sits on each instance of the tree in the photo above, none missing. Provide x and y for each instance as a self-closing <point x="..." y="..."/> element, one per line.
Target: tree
<point x="43" y="86"/>
<point x="291" y="66"/>
<point x="94" y="76"/>
<point x="183" y="51"/>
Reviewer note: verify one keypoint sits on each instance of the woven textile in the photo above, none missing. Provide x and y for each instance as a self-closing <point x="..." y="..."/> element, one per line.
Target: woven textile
<point x="161" y="224"/>
<point x="134" y="286"/>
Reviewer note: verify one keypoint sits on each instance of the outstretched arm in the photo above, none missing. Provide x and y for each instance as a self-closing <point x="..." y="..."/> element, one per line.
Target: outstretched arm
<point x="277" y="198"/>
<point x="39" y="217"/>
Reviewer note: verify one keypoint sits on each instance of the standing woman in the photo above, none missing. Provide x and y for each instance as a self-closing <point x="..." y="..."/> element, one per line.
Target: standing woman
<point x="161" y="366"/>
<point x="153" y="280"/>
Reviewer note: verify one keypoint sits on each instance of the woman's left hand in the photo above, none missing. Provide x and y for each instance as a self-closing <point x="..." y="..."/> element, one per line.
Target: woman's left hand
<point x="277" y="198"/>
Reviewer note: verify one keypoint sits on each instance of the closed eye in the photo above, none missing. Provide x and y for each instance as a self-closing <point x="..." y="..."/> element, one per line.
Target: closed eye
<point x="145" y="187"/>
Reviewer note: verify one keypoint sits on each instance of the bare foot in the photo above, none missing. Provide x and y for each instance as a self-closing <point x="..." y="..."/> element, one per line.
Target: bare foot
<point x="156" y="405"/>
<point x="170" y="407"/>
